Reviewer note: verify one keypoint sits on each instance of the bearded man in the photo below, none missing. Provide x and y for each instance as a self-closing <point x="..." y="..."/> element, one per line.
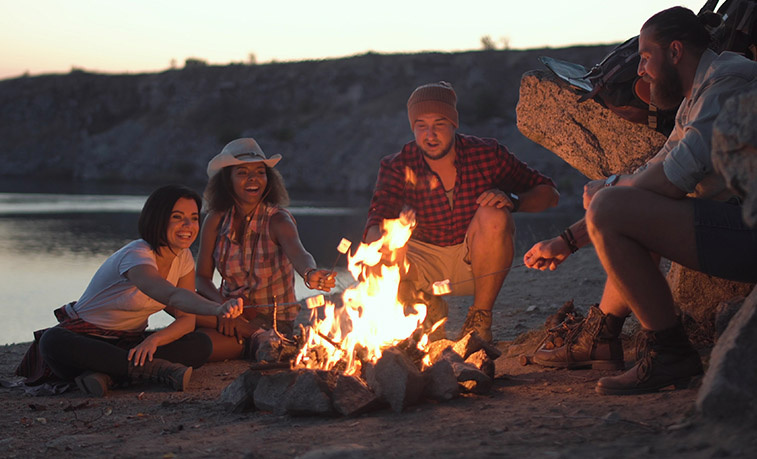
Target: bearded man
<point x="675" y="206"/>
<point x="463" y="191"/>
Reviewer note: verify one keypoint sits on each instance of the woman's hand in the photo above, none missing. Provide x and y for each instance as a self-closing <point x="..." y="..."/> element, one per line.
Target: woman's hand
<point x="320" y="279"/>
<point x="231" y="309"/>
<point x="547" y="254"/>
<point x="143" y="351"/>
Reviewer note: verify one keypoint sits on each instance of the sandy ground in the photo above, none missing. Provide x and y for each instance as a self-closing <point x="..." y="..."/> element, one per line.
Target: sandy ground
<point x="531" y="412"/>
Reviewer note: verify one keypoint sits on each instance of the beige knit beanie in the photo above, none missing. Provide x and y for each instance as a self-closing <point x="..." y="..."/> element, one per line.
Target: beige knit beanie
<point x="433" y="98"/>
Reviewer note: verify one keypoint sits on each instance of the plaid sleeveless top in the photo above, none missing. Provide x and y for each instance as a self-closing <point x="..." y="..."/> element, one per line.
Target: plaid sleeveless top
<point x="256" y="268"/>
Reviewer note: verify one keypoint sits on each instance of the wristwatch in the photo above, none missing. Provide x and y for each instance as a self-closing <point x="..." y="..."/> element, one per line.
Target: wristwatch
<point x="612" y="180"/>
<point x="515" y="199"/>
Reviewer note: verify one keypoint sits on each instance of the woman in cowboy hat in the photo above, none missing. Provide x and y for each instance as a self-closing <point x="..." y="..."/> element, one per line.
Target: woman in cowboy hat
<point x="254" y="244"/>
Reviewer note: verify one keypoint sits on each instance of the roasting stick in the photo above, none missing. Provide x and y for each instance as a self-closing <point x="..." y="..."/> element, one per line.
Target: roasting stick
<point x="444" y="287"/>
<point x="342" y="248"/>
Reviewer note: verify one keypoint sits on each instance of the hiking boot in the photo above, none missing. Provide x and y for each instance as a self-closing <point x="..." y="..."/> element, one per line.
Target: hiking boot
<point x="594" y="342"/>
<point x="664" y="358"/>
<point x="94" y="384"/>
<point x="173" y="375"/>
<point x="480" y="321"/>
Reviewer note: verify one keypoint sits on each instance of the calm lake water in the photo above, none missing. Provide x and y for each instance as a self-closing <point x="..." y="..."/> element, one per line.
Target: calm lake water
<point x="51" y="243"/>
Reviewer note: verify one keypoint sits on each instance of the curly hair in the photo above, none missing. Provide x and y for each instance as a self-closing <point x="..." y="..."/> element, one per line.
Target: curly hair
<point x="219" y="193"/>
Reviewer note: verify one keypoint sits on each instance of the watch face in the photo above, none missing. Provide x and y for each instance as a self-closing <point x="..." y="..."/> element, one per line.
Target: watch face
<point x="611" y="180"/>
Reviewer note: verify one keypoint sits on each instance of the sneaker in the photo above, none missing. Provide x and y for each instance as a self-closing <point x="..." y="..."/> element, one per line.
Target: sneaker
<point x="94" y="384"/>
<point x="480" y="321"/>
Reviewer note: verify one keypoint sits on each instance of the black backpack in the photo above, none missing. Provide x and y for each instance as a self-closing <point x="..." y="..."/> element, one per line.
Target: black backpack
<point x="615" y="84"/>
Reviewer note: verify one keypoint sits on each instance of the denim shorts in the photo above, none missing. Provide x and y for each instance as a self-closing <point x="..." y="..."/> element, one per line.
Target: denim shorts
<point x="726" y="246"/>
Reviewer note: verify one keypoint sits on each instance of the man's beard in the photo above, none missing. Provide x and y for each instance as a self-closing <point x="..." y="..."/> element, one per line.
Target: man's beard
<point x="441" y="155"/>
<point x="666" y="90"/>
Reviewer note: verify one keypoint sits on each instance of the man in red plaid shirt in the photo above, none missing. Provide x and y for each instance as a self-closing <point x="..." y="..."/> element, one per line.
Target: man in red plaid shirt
<point x="463" y="191"/>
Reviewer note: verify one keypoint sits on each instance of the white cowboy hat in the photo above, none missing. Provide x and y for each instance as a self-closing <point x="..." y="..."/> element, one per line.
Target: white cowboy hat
<point x="240" y="151"/>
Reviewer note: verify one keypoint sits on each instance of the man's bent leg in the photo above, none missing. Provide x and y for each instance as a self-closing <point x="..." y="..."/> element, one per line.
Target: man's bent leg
<point x="490" y="251"/>
<point x="626" y="225"/>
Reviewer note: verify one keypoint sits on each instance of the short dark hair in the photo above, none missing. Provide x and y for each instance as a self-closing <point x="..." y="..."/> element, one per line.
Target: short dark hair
<point x="679" y="23"/>
<point x="153" y="220"/>
<point x="219" y="193"/>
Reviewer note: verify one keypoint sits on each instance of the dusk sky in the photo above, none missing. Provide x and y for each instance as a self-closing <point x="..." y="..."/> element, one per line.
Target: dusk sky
<point x="54" y="36"/>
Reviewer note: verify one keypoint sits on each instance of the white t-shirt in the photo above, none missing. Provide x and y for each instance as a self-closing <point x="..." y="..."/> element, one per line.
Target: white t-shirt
<point x="112" y="302"/>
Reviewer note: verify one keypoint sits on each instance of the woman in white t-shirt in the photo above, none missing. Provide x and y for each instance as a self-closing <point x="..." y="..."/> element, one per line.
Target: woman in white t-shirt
<point x="101" y="338"/>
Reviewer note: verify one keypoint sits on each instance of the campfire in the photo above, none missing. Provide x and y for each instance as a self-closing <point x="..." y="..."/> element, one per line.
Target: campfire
<point x="371" y="317"/>
<point x="370" y="349"/>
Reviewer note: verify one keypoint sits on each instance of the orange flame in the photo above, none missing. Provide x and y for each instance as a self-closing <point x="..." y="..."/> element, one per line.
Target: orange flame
<point x="371" y="318"/>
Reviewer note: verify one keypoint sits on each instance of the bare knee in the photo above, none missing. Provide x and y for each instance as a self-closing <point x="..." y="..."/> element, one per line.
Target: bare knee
<point x="601" y="214"/>
<point x="494" y="222"/>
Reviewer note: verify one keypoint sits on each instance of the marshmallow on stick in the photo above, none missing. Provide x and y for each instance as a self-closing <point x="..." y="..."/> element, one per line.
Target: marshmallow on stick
<point x="315" y="301"/>
<point x="441" y="287"/>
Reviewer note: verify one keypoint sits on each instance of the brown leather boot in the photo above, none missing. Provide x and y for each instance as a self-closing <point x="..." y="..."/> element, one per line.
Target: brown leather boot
<point x="174" y="375"/>
<point x="594" y="342"/>
<point x="95" y="384"/>
<point x="664" y="358"/>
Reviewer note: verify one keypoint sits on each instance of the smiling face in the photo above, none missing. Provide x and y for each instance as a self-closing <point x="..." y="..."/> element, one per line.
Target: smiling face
<point x="656" y="66"/>
<point x="434" y="134"/>
<point x="249" y="182"/>
<point x="183" y="224"/>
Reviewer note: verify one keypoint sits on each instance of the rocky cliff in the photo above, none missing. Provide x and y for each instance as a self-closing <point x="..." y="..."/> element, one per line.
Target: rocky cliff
<point x="332" y="120"/>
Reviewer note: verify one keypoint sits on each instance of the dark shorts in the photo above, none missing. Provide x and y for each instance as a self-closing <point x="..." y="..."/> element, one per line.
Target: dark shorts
<point x="726" y="247"/>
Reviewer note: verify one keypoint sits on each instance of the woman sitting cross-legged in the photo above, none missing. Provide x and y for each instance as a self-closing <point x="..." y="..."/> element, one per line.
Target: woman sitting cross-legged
<point x="253" y="243"/>
<point x="102" y="340"/>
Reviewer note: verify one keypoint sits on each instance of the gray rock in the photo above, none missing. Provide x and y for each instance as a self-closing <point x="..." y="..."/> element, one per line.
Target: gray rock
<point x="481" y="360"/>
<point x="471" y="343"/>
<point x="724" y="313"/>
<point x="734" y="149"/>
<point x="395" y="380"/>
<point x="472" y="379"/>
<point x="698" y="294"/>
<point x="270" y="389"/>
<point x="352" y="396"/>
<point x="308" y="395"/>
<point x="441" y="381"/>
<point x="729" y="388"/>
<point x="239" y="395"/>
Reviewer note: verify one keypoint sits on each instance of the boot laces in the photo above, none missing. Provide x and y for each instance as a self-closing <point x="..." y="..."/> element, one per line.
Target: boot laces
<point x="478" y="318"/>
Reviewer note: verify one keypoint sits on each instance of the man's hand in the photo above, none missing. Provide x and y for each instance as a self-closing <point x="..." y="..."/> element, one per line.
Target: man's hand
<point x="547" y="254"/>
<point x="495" y="198"/>
<point x="590" y="189"/>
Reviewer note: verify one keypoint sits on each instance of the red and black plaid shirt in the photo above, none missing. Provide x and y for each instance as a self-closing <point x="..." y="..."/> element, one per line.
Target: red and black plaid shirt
<point x="405" y="179"/>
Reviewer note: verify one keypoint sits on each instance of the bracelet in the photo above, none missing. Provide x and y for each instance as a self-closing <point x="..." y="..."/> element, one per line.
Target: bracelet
<point x="567" y="236"/>
<point x="306" y="276"/>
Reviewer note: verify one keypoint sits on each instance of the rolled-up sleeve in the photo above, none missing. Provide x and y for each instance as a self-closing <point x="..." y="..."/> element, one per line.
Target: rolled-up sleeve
<point x="690" y="159"/>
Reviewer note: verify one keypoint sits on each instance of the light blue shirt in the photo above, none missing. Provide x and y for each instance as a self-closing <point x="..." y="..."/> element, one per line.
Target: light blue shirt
<point x="687" y="152"/>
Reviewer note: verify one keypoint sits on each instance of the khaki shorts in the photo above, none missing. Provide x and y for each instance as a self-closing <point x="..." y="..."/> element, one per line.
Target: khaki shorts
<point x="431" y="263"/>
